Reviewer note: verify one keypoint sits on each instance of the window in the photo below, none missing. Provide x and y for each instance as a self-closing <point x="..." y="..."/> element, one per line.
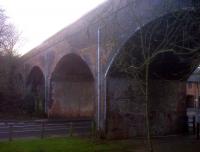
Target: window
<point x="189" y="85"/>
<point x="190" y="101"/>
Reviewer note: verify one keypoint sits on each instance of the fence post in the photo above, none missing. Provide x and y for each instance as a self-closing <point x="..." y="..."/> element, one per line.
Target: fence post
<point x="93" y="128"/>
<point x="42" y="130"/>
<point x="194" y="125"/>
<point x="197" y="131"/>
<point x="71" y="129"/>
<point x="10" y="132"/>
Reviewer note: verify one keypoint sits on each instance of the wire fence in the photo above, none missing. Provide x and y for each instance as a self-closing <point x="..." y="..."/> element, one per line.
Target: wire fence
<point x="42" y="129"/>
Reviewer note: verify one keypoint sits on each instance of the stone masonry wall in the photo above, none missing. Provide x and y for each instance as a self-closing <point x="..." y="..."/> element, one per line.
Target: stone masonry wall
<point x="126" y="108"/>
<point x="72" y="100"/>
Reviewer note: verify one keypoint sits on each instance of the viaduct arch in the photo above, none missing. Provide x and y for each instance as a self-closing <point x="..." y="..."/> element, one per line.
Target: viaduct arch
<point x="168" y="72"/>
<point x="72" y="89"/>
<point x="35" y="92"/>
<point x="96" y="42"/>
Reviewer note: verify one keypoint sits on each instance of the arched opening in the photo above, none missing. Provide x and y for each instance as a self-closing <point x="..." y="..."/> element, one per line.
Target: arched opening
<point x="35" y="92"/>
<point x="172" y="41"/>
<point x="19" y="82"/>
<point x="72" y="89"/>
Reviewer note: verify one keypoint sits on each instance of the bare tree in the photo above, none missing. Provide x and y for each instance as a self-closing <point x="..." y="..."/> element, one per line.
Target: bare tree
<point x="173" y="34"/>
<point x="8" y="34"/>
<point x="9" y="62"/>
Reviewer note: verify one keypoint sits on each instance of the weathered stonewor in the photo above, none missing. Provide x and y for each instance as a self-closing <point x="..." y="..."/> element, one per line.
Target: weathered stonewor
<point x="126" y="114"/>
<point x="75" y="87"/>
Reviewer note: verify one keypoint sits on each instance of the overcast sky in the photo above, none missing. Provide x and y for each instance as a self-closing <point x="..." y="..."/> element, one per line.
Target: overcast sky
<point x="39" y="19"/>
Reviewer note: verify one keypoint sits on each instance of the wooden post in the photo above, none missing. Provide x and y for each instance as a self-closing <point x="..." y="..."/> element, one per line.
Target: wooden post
<point x="197" y="131"/>
<point x="194" y="125"/>
<point x="93" y="126"/>
<point x="42" y="130"/>
<point x="71" y="129"/>
<point x="10" y="132"/>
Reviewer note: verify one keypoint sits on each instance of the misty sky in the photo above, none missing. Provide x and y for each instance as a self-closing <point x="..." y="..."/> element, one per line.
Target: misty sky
<point x="39" y="19"/>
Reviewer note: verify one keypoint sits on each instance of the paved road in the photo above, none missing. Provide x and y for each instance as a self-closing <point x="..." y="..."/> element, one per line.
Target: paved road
<point x="44" y="128"/>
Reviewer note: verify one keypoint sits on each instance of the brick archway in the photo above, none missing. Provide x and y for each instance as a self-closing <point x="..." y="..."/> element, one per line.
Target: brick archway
<point x="72" y="92"/>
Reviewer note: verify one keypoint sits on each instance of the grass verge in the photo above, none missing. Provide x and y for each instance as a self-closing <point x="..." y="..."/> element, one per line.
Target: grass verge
<point x="60" y="145"/>
<point x="72" y="144"/>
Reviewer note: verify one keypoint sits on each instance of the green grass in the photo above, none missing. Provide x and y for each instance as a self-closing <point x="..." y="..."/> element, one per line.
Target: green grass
<point x="86" y="145"/>
<point x="59" y="145"/>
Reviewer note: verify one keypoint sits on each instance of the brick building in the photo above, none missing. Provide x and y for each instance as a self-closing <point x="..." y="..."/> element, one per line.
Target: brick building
<point x="193" y="96"/>
<point x="193" y="89"/>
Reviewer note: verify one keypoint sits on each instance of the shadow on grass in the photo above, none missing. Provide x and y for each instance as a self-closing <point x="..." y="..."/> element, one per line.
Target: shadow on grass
<point x="177" y="144"/>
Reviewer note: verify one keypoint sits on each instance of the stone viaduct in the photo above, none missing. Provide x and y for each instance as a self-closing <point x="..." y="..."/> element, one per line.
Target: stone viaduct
<point x="72" y="70"/>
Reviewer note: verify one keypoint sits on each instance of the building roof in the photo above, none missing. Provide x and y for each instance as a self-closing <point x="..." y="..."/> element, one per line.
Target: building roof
<point x="195" y="77"/>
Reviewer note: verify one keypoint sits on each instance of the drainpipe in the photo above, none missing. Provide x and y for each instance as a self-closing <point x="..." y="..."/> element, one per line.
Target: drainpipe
<point x="46" y="83"/>
<point x="45" y="94"/>
<point x="197" y="100"/>
<point x="99" y="85"/>
<point x="98" y="80"/>
<point x="197" y="110"/>
<point x="105" y="102"/>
